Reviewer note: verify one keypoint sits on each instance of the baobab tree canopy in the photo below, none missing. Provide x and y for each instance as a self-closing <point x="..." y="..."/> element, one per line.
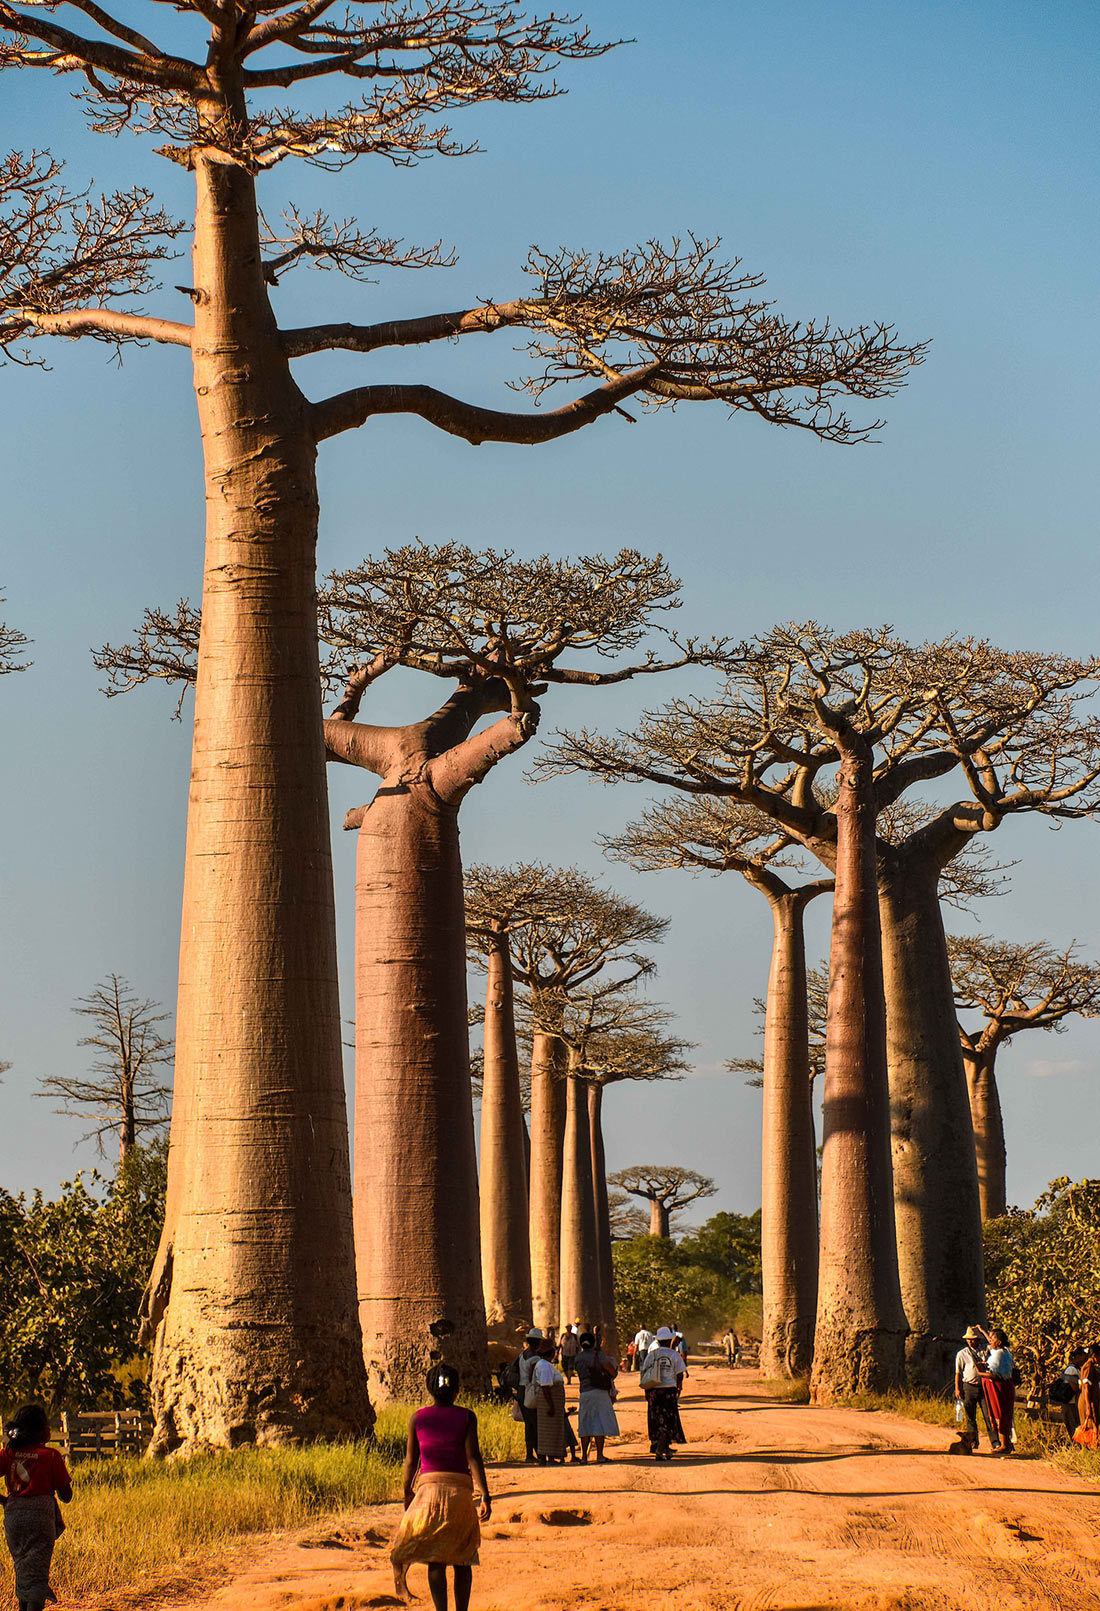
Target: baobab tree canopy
<point x="665" y="1187"/>
<point x="1012" y="987"/>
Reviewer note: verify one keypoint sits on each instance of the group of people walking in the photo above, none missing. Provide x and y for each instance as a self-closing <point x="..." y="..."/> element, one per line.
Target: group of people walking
<point x="1077" y="1393"/>
<point x="538" y="1388"/>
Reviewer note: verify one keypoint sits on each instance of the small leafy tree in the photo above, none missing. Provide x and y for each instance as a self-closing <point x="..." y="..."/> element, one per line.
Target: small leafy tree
<point x="728" y="1244"/>
<point x="1043" y="1272"/>
<point x="74" y="1269"/>
<point x="123" y="1095"/>
<point x="655" y="1284"/>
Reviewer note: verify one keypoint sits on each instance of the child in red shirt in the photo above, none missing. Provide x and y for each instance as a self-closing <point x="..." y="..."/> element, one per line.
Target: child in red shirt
<point x="36" y="1476"/>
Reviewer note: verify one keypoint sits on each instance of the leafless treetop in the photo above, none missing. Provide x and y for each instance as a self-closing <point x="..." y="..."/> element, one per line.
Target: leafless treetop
<point x="1016" y="724"/>
<point x="124" y="1087"/>
<point x="1019" y="986"/>
<point x="666" y="322"/>
<point x="12" y="644"/>
<point x="60" y="249"/>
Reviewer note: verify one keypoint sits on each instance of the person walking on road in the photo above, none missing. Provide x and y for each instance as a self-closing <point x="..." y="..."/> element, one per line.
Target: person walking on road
<point x="36" y="1477"/>
<point x="596" y="1418"/>
<point x="528" y="1393"/>
<point x="643" y="1342"/>
<point x="970" y="1392"/>
<point x="550" y="1404"/>
<point x="442" y="1464"/>
<point x="568" y="1345"/>
<point x="999" y="1382"/>
<point x="662" y="1380"/>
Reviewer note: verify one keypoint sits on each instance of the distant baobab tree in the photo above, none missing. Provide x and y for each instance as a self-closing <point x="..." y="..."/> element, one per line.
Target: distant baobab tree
<point x="824" y="732"/>
<point x="627" y="1220"/>
<point x="1011" y="987"/>
<point x="124" y="1095"/>
<point x="720" y="835"/>
<point x="665" y="1187"/>
<point x="662" y="324"/>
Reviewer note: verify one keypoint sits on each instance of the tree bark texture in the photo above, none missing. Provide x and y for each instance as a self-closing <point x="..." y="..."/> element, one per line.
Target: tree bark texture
<point x="416" y="1196"/>
<point x="660" y="1219"/>
<point x="252" y="1296"/>
<point x="936" y="1201"/>
<point x="604" y="1256"/>
<point x="580" y="1296"/>
<point x="859" y="1342"/>
<point x="989" y="1133"/>
<point x="789" y="1230"/>
<point x="547" y="1142"/>
<point x="505" y="1246"/>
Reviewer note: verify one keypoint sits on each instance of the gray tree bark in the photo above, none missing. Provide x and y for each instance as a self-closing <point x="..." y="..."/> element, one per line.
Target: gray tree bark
<point x="580" y="1297"/>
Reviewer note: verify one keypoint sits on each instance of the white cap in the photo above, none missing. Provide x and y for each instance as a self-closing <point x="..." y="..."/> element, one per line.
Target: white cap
<point x="664" y="1333"/>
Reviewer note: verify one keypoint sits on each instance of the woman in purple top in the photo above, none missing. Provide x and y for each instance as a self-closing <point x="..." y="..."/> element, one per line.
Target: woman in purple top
<point x="440" y="1524"/>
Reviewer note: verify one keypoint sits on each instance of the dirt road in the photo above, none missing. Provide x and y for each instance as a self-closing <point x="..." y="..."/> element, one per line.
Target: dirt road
<point x="768" y="1506"/>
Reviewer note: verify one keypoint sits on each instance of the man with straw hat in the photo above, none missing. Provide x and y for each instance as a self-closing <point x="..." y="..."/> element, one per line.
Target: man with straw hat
<point x="970" y="1393"/>
<point x="528" y="1392"/>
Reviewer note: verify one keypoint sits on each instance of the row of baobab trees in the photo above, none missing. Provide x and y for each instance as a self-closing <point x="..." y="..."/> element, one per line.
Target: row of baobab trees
<point x="252" y="1307"/>
<point x="769" y="764"/>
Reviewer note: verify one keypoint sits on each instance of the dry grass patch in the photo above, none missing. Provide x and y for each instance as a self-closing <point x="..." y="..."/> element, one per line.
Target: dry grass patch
<point x="145" y="1525"/>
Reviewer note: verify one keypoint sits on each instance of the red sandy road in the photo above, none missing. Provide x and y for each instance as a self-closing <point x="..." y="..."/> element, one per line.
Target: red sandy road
<point x="771" y="1507"/>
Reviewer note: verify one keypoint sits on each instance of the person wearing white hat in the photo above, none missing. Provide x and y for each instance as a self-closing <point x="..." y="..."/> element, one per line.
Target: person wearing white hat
<point x="661" y="1381"/>
<point x="528" y="1392"/>
<point x="970" y="1392"/>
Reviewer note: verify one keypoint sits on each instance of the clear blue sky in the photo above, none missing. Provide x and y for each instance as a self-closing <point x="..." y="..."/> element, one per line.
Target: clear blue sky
<point x="930" y="164"/>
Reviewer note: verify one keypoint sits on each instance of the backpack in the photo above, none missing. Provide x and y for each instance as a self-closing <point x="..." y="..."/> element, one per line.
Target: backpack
<point x="600" y="1379"/>
<point x="508" y="1377"/>
<point x="658" y="1370"/>
<point x="1061" y="1392"/>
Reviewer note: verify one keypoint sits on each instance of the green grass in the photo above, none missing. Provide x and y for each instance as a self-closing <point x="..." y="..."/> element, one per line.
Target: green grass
<point x="788" y="1389"/>
<point x="1035" y="1440"/>
<point x="143" y="1524"/>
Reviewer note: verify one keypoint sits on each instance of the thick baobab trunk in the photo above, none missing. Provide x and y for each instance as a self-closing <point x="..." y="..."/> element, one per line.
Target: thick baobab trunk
<point x="660" y="1218"/>
<point x="604" y="1258"/>
<point x="788" y="1217"/>
<point x="505" y="1248"/>
<point x="580" y="1297"/>
<point x="859" y="1340"/>
<point x="416" y="1195"/>
<point x="251" y="1301"/>
<point x="936" y="1202"/>
<point x="547" y="1142"/>
<point x="989" y="1134"/>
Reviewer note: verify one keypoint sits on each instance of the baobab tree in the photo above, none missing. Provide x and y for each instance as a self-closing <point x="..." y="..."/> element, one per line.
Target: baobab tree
<point x="124" y="1094"/>
<point x="719" y="835"/>
<point x="556" y="956"/>
<point x="665" y="1187"/>
<point x="627" y="1219"/>
<point x="258" y="1009"/>
<point x="499" y="902"/>
<point x="1010" y="724"/>
<point x="630" y="1045"/>
<point x="501" y="631"/>
<point x="1012" y="987"/>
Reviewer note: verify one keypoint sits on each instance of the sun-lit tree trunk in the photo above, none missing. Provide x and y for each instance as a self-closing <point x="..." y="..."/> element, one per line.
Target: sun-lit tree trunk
<point x="936" y="1197"/>
<point x="417" y="1234"/>
<point x="252" y="1296"/>
<point x="580" y="1297"/>
<point x="660" y="1218"/>
<point x="603" y="1220"/>
<point x="505" y="1247"/>
<point x="788" y="1216"/>
<point x="547" y="1142"/>
<point x="988" y="1131"/>
<point x="859" y="1341"/>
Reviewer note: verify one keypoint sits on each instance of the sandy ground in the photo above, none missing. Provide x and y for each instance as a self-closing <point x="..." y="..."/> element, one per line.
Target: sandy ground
<point x="768" y="1506"/>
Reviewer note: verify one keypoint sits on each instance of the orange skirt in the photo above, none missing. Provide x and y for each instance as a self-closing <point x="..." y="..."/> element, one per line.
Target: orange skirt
<point x="440" y="1526"/>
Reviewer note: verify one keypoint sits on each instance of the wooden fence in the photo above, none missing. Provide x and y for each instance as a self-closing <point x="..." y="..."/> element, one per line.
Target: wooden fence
<point x="103" y="1434"/>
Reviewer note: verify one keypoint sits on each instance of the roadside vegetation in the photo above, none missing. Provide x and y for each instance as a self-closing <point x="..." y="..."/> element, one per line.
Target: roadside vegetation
<point x="148" y="1526"/>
